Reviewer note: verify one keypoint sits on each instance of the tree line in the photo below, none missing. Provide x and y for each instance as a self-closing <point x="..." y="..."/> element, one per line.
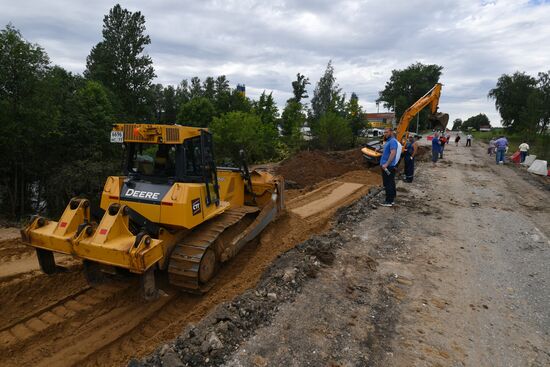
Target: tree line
<point x="55" y="124"/>
<point x="523" y="102"/>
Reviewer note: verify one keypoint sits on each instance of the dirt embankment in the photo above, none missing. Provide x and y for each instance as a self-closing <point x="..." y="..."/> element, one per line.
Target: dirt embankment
<point x="60" y="320"/>
<point x="310" y="167"/>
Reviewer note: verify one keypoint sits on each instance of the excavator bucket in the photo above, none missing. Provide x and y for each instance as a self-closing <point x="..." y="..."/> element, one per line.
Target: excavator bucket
<point x="439" y="121"/>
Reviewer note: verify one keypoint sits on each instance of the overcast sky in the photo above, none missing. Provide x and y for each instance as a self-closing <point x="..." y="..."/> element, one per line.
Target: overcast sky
<point x="263" y="44"/>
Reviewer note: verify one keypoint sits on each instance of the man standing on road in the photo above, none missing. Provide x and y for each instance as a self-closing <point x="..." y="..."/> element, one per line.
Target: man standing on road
<point x="388" y="161"/>
<point x="501" y="144"/>
<point x="410" y="152"/>
<point x="523" y="151"/>
<point x="436" y="147"/>
<point x="469" y="140"/>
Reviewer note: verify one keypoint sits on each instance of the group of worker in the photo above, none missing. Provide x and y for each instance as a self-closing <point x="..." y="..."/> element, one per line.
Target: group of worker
<point x="392" y="154"/>
<point x="500" y="147"/>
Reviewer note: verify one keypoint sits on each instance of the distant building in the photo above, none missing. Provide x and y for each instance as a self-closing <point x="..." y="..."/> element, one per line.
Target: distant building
<point x="380" y="120"/>
<point x="485" y="128"/>
<point x="306" y="133"/>
<point x="241" y="89"/>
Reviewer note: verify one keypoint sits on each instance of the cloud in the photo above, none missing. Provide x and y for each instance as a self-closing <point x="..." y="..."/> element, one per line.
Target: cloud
<point x="265" y="43"/>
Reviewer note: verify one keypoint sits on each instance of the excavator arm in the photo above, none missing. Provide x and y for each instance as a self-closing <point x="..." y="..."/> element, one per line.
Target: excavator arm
<point x="431" y="99"/>
<point x="372" y="152"/>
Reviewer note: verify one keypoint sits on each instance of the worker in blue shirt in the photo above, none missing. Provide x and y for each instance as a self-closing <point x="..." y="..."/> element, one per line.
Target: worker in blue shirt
<point x="388" y="163"/>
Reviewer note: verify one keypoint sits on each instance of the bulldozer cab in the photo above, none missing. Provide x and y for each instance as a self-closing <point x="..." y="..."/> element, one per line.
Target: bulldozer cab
<point x="190" y="161"/>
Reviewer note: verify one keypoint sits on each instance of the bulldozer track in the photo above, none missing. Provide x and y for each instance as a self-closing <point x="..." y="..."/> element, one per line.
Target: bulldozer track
<point x="40" y="321"/>
<point x="188" y="257"/>
<point x="45" y="309"/>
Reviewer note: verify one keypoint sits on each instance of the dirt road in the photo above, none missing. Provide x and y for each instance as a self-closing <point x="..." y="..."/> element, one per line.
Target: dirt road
<point x="457" y="274"/>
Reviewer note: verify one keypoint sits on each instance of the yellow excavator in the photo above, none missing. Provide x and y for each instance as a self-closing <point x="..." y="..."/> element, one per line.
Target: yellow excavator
<point x="172" y="210"/>
<point x="438" y="120"/>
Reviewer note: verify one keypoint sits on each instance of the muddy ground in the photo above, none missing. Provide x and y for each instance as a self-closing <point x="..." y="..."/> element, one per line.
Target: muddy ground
<point x="59" y="320"/>
<point x="455" y="275"/>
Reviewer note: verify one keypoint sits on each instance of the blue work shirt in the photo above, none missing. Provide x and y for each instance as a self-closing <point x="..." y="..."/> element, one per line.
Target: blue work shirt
<point x="390" y="144"/>
<point x="409" y="149"/>
<point x="436" y="147"/>
<point x="501" y="143"/>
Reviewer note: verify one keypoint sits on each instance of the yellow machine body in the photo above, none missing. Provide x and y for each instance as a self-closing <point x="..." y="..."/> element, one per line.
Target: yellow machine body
<point x="173" y="208"/>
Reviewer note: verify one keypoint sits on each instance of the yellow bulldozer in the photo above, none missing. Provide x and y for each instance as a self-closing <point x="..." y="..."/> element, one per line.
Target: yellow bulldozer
<point x="172" y="210"/>
<point x="438" y="121"/>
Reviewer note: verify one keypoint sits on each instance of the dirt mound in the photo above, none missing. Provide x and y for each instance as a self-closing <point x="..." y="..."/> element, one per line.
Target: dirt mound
<point x="310" y="167"/>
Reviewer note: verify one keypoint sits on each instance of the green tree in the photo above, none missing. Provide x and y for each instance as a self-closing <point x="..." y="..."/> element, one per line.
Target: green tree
<point x="209" y="88"/>
<point x="234" y="131"/>
<point x="170" y="105"/>
<point x="87" y="156"/>
<point x="333" y="132"/>
<point x="155" y="100"/>
<point x="406" y="86"/>
<point x="232" y="101"/>
<point x="326" y="96"/>
<point x="292" y="120"/>
<point x="266" y="108"/>
<point x="182" y="93"/>
<point x="23" y="125"/>
<point x="299" y="87"/>
<point x="475" y="122"/>
<point x="293" y="117"/>
<point x="355" y="116"/>
<point x="195" y="89"/>
<point x="531" y="116"/>
<point x="221" y="85"/>
<point x="457" y="124"/>
<point x="119" y="61"/>
<point x="510" y="95"/>
<point x="543" y="84"/>
<point x="197" y="112"/>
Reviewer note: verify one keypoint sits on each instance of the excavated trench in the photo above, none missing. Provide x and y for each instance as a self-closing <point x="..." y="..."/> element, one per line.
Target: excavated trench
<point x="60" y="320"/>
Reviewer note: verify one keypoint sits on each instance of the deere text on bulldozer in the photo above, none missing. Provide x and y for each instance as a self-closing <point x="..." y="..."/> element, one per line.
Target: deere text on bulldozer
<point x="172" y="210"/>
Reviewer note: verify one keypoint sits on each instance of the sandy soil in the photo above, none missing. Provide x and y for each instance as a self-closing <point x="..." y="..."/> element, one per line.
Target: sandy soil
<point x="455" y="275"/>
<point x="60" y="320"/>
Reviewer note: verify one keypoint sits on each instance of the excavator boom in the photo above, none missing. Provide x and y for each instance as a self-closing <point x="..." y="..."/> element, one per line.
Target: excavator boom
<point x="372" y="152"/>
